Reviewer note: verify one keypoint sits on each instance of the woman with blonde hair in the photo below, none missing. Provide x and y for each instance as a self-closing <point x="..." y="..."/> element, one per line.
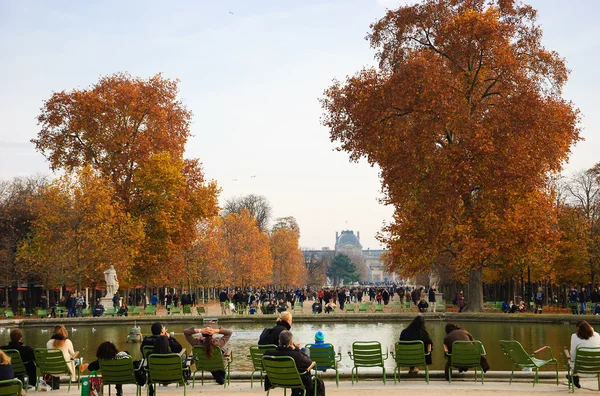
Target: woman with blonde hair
<point x="61" y="341"/>
<point x="270" y="336"/>
<point x="6" y="369"/>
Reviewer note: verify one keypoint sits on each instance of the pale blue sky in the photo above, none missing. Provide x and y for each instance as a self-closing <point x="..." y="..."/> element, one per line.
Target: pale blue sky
<point x="251" y="72"/>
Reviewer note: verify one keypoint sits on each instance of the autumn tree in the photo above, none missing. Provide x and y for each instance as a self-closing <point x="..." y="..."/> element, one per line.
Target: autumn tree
<point x="248" y="259"/>
<point x="16" y="216"/>
<point x="288" y="222"/>
<point x="132" y="132"/>
<point x="583" y="194"/>
<point x="258" y="206"/>
<point x="288" y="268"/>
<point x="78" y="232"/>
<point x="464" y="117"/>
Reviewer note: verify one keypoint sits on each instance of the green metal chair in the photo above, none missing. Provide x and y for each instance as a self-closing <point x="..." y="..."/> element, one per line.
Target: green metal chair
<point x="217" y="362"/>
<point x="521" y="359"/>
<point x="136" y="311"/>
<point x="187" y="309"/>
<point x="408" y="306"/>
<point x="11" y="387"/>
<point x="282" y="373"/>
<point x="9" y="314"/>
<point x="119" y="372"/>
<point x="397" y="306"/>
<point x="466" y="354"/>
<point x="363" y="307"/>
<point x="349" y="308"/>
<point x="150" y="310"/>
<point x="379" y="307"/>
<point x="42" y="313"/>
<point x="440" y="306"/>
<point x="201" y="310"/>
<point x="18" y="365"/>
<point x="586" y="361"/>
<point x="367" y="354"/>
<point x="52" y="361"/>
<point x="325" y="358"/>
<point x="165" y="369"/>
<point x="410" y="354"/>
<point x="175" y="311"/>
<point x="256" y="354"/>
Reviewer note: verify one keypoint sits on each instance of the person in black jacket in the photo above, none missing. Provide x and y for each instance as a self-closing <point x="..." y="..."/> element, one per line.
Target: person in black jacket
<point x="26" y="352"/>
<point x="159" y="330"/>
<point x="416" y="331"/>
<point x="303" y="362"/>
<point x="271" y="337"/>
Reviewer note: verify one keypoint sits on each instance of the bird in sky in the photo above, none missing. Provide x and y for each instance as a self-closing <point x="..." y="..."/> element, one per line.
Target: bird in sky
<point x="231" y="13"/>
<point x="252" y="177"/>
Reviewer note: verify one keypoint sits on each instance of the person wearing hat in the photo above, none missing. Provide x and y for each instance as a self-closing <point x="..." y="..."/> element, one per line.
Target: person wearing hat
<point x="319" y="343"/>
<point x="159" y="330"/>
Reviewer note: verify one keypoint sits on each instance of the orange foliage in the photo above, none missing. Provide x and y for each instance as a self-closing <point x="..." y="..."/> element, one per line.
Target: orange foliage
<point x="288" y="264"/>
<point x="465" y="118"/>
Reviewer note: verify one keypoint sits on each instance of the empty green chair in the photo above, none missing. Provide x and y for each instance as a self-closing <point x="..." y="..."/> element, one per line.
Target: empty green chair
<point x="410" y="354"/>
<point x="52" y="361"/>
<point x="256" y="354"/>
<point x="11" y="387"/>
<point x="166" y="369"/>
<point x="367" y="354"/>
<point x="175" y="311"/>
<point x="397" y="306"/>
<point x="379" y="307"/>
<point x="201" y="310"/>
<point x="136" y="311"/>
<point x="187" y="309"/>
<point x="585" y="361"/>
<point x="408" y="306"/>
<point x="217" y="362"/>
<point x="325" y="358"/>
<point x="282" y="373"/>
<point x="364" y="307"/>
<point x="466" y="354"/>
<point x="523" y="360"/>
<point x="118" y="372"/>
<point x="349" y="308"/>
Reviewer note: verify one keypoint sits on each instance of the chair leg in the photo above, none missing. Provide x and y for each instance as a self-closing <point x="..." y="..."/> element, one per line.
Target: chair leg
<point x="511" y="376"/>
<point x="535" y="377"/>
<point x="383" y="375"/>
<point x="556" y="365"/>
<point x="427" y="374"/>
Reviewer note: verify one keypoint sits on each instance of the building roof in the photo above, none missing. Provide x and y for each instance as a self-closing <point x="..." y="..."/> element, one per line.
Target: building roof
<point x="347" y="237"/>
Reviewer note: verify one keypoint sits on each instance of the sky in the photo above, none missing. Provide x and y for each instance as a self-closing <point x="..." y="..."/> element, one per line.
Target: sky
<point x="252" y="73"/>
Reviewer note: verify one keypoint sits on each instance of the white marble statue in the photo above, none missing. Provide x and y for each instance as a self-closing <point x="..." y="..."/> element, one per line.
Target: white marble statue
<point x="112" y="283"/>
<point x="434" y="278"/>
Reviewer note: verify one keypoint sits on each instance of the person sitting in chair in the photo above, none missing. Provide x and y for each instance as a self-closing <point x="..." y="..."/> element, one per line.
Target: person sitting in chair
<point x="98" y="309"/>
<point x="270" y="307"/>
<point x="317" y="307"/>
<point x="330" y="306"/>
<point x="303" y="362"/>
<point x="282" y="306"/>
<point x="123" y="310"/>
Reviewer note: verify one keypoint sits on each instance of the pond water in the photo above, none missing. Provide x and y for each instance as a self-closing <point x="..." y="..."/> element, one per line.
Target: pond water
<point x="532" y="336"/>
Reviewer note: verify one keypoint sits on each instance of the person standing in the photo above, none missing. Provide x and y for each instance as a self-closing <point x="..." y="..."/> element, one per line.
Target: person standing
<point x="583" y="298"/>
<point x="460" y="301"/>
<point x="539" y="300"/>
<point x="223" y="301"/>
<point x="432" y="299"/>
<point x="342" y="298"/>
<point x="574" y="300"/>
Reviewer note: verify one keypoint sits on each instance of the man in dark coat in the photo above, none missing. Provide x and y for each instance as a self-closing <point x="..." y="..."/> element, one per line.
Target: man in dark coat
<point x="157" y="330"/>
<point x="303" y="363"/>
<point x="456" y="333"/>
<point x="26" y="352"/>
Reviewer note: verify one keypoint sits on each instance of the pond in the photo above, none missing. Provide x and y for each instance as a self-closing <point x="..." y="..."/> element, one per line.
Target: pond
<point x="532" y="336"/>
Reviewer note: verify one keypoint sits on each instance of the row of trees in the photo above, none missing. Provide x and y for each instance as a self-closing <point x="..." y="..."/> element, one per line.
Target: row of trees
<point x="129" y="198"/>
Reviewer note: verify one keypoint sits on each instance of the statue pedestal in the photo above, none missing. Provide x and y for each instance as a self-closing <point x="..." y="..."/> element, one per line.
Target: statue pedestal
<point x="107" y="302"/>
<point x="439" y="297"/>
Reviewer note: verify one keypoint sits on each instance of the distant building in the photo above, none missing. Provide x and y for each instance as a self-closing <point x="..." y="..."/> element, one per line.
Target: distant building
<point x="368" y="262"/>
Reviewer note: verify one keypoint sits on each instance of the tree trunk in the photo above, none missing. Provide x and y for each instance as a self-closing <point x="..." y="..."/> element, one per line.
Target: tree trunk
<point x="474" y="300"/>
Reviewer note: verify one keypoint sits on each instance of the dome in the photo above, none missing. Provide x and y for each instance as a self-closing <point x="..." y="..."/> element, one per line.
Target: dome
<point x="347" y="238"/>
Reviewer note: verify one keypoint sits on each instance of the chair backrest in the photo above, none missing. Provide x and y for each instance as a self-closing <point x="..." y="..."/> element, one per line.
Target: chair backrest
<point x="587" y="360"/>
<point x="282" y="372"/>
<point x="17" y="362"/>
<point x="349" y="307"/>
<point x="51" y="361"/>
<point x="363" y="307"/>
<point x="11" y="387"/>
<point x="410" y="353"/>
<point x="256" y="354"/>
<point x="515" y="352"/>
<point x="118" y="371"/>
<point x="215" y="363"/>
<point x="379" y="307"/>
<point x="187" y="309"/>
<point x="323" y="355"/>
<point x="165" y="368"/>
<point x="367" y="354"/>
<point x="467" y="353"/>
<point x="147" y="350"/>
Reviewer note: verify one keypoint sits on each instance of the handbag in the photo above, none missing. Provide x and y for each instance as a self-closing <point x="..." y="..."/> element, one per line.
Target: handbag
<point x="91" y="385"/>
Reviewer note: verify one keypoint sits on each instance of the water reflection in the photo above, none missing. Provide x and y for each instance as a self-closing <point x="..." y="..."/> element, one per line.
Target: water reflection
<point x="532" y="336"/>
